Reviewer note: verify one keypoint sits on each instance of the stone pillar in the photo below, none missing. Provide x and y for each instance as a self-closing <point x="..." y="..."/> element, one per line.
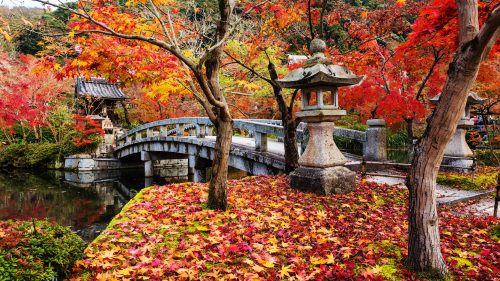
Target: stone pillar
<point x="321" y="167"/>
<point x="458" y="147"/>
<point x="457" y="155"/>
<point x="180" y="130"/>
<point x="149" y="132"/>
<point x="163" y="131"/>
<point x="197" y="169"/>
<point x="138" y="135"/>
<point x="321" y="150"/>
<point x="148" y="164"/>
<point x="375" y="146"/>
<point x="260" y="142"/>
<point x="201" y="131"/>
<point x="193" y="132"/>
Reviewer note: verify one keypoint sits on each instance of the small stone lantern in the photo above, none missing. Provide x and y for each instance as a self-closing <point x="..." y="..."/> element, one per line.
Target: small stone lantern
<point x="457" y="151"/>
<point x="321" y="167"/>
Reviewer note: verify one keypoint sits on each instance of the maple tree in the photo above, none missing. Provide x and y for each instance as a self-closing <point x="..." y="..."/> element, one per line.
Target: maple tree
<point x="198" y="66"/>
<point x="26" y="99"/>
<point x="474" y="44"/>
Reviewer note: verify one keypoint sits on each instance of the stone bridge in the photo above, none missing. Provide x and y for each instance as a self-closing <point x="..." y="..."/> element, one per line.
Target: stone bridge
<point x="257" y="146"/>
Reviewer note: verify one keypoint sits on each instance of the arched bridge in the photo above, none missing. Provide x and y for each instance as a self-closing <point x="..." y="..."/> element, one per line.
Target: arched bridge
<point x="257" y="146"/>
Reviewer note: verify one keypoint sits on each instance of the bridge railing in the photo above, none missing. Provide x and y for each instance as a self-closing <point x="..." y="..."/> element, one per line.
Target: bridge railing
<point x="260" y="129"/>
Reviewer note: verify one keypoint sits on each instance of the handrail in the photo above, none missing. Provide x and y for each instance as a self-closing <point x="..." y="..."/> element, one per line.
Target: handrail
<point x="261" y="128"/>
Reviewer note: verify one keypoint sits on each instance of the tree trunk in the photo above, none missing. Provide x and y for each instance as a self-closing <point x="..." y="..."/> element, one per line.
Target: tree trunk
<point x="217" y="199"/>
<point x="290" y="143"/>
<point x="424" y="253"/>
<point x="125" y="113"/>
<point x="289" y="128"/>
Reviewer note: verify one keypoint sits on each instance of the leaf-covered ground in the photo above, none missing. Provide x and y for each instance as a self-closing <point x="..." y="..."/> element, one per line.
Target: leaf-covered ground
<point x="271" y="232"/>
<point x="485" y="178"/>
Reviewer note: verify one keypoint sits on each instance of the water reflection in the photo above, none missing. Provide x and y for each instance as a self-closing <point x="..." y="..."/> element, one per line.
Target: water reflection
<point x="85" y="201"/>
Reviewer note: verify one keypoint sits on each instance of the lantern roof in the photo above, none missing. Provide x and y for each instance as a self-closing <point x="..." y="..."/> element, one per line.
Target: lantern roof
<point x="472" y="98"/>
<point x="319" y="71"/>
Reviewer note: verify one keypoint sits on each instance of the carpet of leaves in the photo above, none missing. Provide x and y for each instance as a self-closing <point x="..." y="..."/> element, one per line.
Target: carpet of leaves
<point x="484" y="178"/>
<point x="271" y="232"/>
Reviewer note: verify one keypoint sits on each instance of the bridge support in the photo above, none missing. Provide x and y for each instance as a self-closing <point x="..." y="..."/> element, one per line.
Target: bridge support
<point x="148" y="164"/>
<point x="197" y="169"/>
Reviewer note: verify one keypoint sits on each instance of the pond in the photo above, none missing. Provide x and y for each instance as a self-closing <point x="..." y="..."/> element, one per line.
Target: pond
<point x="85" y="201"/>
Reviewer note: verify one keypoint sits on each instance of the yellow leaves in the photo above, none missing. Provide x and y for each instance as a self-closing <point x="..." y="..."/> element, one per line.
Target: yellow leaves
<point x="330" y="259"/>
<point x="57" y="66"/>
<point x="71" y="34"/>
<point x="6" y="35"/>
<point x="318" y="260"/>
<point x="285" y="271"/>
<point x="202" y="228"/>
<point x="124" y="272"/>
<point x="400" y="3"/>
<point x="267" y="263"/>
<point x="447" y="232"/>
<point x="321" y="214"/>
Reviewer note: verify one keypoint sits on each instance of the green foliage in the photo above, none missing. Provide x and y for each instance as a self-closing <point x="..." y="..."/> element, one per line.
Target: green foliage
<point x="495" y="231"/>
<point x="487" y="157"/>
<point x="34" y="155"/>
<point x="351" y="122"/>
<point x="37" y="250"/>
<point x="28" y="41"/>
<point x="482" y="181"/>
<point x="396" y="140"/>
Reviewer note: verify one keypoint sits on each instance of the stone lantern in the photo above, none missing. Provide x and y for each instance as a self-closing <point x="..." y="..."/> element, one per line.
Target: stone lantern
<point x="321" y="166"/>
<point x="457" y="154"/>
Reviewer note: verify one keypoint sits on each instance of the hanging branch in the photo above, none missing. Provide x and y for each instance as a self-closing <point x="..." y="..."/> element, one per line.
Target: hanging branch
<point x="311" y="29"/>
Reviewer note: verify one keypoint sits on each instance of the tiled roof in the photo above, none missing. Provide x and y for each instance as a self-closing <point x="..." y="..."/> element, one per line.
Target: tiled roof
<point x="99" y="88"/>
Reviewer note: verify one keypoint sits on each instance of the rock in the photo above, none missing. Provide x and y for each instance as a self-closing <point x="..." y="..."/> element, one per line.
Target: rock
<point x="323" y="181"/>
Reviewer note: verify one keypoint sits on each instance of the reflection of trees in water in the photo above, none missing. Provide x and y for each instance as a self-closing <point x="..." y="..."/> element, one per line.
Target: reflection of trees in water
<point x="25" y="195"/>
<point x="77" y="200"/>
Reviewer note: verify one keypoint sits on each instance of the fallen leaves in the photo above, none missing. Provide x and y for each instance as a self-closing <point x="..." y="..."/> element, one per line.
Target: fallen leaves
<point x="271" y="232"/>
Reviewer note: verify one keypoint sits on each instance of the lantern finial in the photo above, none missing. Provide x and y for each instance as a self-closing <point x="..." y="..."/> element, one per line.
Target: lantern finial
<point x="317" y="46"/>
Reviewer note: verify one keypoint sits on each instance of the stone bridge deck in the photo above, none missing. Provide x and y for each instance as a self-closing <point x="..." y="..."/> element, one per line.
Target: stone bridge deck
<point x="243" y="154"/>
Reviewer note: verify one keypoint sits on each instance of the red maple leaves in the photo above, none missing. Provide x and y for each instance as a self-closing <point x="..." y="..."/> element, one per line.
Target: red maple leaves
<point x="271" y="232"/>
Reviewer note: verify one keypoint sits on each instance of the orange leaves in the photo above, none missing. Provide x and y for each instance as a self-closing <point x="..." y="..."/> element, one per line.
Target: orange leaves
<point x="400" y="3"/>
<point x="270" y="232"/>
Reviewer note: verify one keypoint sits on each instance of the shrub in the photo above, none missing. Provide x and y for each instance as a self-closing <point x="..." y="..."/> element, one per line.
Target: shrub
<point x="487" y="157"/>
<point x="396" y="140"/>
<point x="37" y="250"/>
<point x="30" y="155"/>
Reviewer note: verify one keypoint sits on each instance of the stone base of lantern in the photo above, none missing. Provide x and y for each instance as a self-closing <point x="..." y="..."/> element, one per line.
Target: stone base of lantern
<point x="457" y="164"/>
<point x="323" y="181"/>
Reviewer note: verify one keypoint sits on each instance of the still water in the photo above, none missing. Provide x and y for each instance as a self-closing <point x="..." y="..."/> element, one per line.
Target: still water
<point x="84" y="201"/>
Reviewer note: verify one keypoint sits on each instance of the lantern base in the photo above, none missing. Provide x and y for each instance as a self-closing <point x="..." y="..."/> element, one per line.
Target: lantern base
<point x="323" y="181"/>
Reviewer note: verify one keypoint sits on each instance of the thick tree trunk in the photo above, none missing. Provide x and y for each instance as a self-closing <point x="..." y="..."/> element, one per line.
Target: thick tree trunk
<point x="424" y="253"/>
<point x="217" y="199"/>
